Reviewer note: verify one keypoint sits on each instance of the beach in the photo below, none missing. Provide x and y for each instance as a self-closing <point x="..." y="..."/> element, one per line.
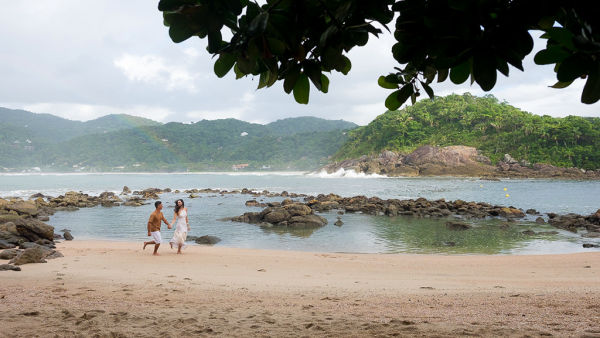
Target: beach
<point x="116" y="289"/>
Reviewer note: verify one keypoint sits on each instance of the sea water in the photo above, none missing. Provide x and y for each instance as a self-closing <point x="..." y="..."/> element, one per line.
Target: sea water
<point x="360" y="233"/>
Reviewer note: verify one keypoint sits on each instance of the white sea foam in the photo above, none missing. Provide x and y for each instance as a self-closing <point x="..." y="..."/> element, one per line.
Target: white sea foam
<point x="345" y="174"/>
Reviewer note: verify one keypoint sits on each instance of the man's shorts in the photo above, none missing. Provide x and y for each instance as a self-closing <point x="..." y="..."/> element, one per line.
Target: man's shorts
<point x="156" y="236"/>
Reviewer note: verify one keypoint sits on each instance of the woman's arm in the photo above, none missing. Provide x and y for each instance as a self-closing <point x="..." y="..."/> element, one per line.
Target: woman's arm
<point x="186" y="219"/>
<point x="174" y="218"/>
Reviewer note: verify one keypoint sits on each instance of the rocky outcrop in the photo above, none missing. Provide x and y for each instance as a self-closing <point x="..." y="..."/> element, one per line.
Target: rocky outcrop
<point x="453" y="161"/>
<point x="289" y="215"/>
<point x="211" y="240"/>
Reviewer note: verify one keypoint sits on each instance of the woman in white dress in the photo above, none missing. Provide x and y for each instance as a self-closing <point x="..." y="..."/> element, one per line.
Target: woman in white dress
<point x="183" y="226"/>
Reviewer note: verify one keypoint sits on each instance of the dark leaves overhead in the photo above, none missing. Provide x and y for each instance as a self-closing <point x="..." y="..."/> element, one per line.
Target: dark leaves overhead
<point x="295" y="41"/>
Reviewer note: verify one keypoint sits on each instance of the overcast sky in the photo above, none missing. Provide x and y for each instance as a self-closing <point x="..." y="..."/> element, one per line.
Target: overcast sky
<point x="82" y="59"/>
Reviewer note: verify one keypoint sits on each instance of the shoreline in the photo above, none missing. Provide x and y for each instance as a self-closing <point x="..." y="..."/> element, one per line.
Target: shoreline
<point x="108" y="288"/>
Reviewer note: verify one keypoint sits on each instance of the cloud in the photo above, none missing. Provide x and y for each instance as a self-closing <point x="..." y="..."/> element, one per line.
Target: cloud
<point x="154" y="69"/>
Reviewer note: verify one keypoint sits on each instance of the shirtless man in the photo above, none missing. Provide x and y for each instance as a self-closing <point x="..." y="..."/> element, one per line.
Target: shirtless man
<point x="154" y="224"/>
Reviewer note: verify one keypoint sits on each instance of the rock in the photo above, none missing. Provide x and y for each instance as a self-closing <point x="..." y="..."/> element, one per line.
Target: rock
<point x="207" y="240"/>
<point x="276" y="216"/>
<point x="528" y="232"/>
<point x="7" y="267"/>
<point x="548" y="233"/>
<point x="531" y="212"/>
<point x="448" y="244"/>
<point x="32" y="255"/>
<point x="540" y="220"/>
<point x="68" y="237"/>
<point x="9" y="253"/>
<point x="589" y="245"/>
<point x="338" y="222"/>
<point x="43" y="218"/>
<point x="126" y="190"/>
<point x="457" y="226"/>
<point x="591" y="235"/>
<point x="511" y="213"/>
<point x="504" y="226"/>
<point x="307" y="221"/>
<point x="509" y="159"/>
<point x="34" y="229"/>
<point x="6" y="245"/>
<point x="24" y="208"/>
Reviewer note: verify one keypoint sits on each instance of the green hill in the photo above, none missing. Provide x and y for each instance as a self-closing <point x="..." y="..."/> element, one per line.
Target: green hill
<point x="54" y="129"/>
<point x="494" y="127"/>
<point x="303" y="124"/>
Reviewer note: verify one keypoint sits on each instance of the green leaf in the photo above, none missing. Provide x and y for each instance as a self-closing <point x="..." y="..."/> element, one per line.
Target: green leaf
<point x="214" y="42"/>
<point x="502" y="66"/>
<point x="347" y="67"/>
<point x="562" y="36"/>
<point x="461" y="5"/>
<point x="272" y="78"/>
<point x="460" y="73"/>
<point x="169" y="5"/>
<point x="484" y="70"/>
<point x="259" y="24"/>
<point x="591" y="90"/>
<point x="246" y="65"/>
<point x="313" y="71"/>
<point x="442" y="75"/>
<point x="428" y="90"/>
<point x="392" y="103"/>
<point x="395" y="78"/>
<point x="561" y="85"/>
<point x="324" y="84"/>
<point x="179" y="30"/>
<point x="262" y="81"/>
<point x="384" y="84"/>
<point x="302" y="89"/>
<point x="329" y="58"/>
<point x="291" y="77"/>
<point x="430" y="73"/>
<point x="277" y="47"/>
<point x="573" y="67"/>
<point x="224" y="64"/>
<point x="551" y="55"/>
<point x="238" y="73"/>
<point x="404" y="93"/>
<point x="546" y="22"/>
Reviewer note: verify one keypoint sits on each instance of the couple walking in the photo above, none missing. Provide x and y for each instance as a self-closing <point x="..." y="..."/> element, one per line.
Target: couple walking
<point x="183" y="226"/>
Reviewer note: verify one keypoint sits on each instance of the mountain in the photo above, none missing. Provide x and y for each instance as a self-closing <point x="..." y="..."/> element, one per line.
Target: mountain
<point x="302" y="124"/>
<point x="204" y="145"/>
<point x="55" y="129"/>
<point x="496" y="128"/>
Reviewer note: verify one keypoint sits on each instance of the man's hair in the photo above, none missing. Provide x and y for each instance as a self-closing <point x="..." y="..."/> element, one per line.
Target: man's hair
<point x="157" y="203"/>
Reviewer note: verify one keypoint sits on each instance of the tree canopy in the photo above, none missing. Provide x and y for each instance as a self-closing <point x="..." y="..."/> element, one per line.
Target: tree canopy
<point x="298" y="41"/>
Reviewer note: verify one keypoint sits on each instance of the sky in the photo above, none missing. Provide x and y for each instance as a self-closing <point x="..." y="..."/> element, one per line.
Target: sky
<point x="83" y="59"/>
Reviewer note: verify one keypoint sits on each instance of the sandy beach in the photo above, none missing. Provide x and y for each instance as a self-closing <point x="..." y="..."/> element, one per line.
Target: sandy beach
<point x="116" y="289"/>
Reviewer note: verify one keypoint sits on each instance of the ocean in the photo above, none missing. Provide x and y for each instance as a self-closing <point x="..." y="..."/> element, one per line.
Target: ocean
<point x="359" y="233"/>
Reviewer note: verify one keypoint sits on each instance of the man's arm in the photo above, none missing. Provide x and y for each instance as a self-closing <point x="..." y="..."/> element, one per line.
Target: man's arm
<point x="165" y="220"/>
<point x="150" y="223"/>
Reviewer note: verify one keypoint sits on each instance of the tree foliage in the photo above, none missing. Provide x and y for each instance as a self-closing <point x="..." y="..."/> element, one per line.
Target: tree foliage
<point x="298" y="41"/>
<point x="496" y="128"/>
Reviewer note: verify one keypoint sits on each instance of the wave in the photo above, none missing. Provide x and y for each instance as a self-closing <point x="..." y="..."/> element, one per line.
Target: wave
<point x="342" y="173"/>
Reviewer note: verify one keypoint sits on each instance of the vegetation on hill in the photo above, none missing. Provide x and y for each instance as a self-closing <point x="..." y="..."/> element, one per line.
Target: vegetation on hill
<point x="54" y="129"/>
<point x="205" y="145"/>
<point x="494" y="127"/>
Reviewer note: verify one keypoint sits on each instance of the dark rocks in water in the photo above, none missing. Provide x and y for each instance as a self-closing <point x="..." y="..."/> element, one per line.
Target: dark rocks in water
<point x="43" y="218"/>
<point x="531" y="212"/>
<point x="64" y="230"/>
<point x="528" y="232"/>
<point x="540" y="220"/>
<point x="591" y="235"/>
<point x="126" y="190"/>
<point x="504" y="226"/>
<point x="487" y="178"/>
<point x="457" y="226"/>
<point x="338" y="222"/>
<point x="548" y="233"/>
<point x="207" y="240"/>
<point x="67" y="235"/>
<point x="589" y="245"/>
<point x="8" y="267"/>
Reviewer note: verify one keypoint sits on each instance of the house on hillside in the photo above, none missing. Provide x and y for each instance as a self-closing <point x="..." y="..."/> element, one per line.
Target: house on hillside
<point x="30" y="148"/>
<point x="239" y="166"/>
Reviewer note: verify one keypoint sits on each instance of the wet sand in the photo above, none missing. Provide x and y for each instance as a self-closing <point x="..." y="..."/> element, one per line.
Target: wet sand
<point x="116" y="289"/>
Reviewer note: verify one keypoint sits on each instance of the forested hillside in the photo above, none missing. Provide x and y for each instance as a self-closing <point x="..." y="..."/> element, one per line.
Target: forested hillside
<point x="303" y="124"/>
<point x="494" y="127"/>
<point x="55" y="129"/>
<point x="204" y="145"/>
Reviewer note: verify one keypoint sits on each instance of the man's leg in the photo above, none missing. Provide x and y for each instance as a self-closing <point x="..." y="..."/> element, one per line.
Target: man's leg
<point x="156" y="249"/>
<point x="146" y="243"/>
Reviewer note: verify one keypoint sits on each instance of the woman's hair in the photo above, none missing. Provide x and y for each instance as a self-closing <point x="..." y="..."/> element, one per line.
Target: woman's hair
<point x="177" y="207"/>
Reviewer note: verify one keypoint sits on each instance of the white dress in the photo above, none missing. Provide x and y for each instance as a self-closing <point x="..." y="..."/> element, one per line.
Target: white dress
<point x="180" y="231"/>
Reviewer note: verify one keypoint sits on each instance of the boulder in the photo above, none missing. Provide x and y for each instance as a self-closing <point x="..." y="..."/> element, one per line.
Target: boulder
<point x="9" y="253"/>
<point x="207" y="240"/>
<point x="126" y="190"/>
<point x="445" y="156"/>
<point x="511" y="213"/>
<point x="24" y="208"/>
<point x="7" y="267"/>
<point x="68" y="237"/>
<point x="540" y="220"/>
<point x="457" y="226"/>
<point x="509" y="159"/>
<point x="6" y="245"/>
<point x="276" y="216"/>
<point x="307" y="221"/>
<point x="32" y="255"/>
<point x="404" y="171"/>
<point x="34" y="229"/>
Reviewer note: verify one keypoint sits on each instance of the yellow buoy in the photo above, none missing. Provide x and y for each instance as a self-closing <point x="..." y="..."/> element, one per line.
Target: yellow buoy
<point x="506" y="195"/>
<point x="504" y="189"/>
